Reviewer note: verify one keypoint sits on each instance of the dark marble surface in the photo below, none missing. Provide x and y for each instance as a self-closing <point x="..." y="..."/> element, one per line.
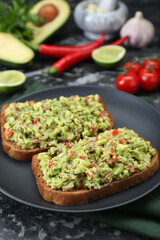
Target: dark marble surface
<point x="18" y="221"/>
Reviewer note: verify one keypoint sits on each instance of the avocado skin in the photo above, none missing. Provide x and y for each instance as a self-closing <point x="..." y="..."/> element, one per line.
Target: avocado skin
<point x="13" y="65"/>
<point x="60" y="21"/>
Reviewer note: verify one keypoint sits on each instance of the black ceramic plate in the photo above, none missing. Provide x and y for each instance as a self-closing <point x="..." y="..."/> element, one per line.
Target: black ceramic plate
<point x="17" y="181"/>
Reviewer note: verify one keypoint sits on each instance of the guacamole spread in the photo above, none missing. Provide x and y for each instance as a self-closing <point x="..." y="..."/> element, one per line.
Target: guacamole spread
<point x="42" y="124"/>
<point x="94" y="161"/>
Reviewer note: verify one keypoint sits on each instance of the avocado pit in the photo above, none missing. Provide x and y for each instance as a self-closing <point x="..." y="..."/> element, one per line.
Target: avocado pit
<point x="48" y="12"/>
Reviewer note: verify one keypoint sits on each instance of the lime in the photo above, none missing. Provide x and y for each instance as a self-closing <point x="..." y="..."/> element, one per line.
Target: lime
<point x="108" y="56"/>
<point x="11" y="80"/>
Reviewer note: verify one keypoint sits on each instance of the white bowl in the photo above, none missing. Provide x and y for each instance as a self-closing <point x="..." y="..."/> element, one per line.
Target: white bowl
<point x="94" y="24"/>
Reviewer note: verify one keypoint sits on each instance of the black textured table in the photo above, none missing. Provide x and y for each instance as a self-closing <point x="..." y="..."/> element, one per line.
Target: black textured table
<point x="18" y="221"/>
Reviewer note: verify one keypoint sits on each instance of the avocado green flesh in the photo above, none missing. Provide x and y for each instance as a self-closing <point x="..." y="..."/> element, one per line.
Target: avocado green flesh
<point x="13" y="52"/>
<point x="93" y="162"/>
<point x="45" y="123"/>
<point x="43" y="32"/>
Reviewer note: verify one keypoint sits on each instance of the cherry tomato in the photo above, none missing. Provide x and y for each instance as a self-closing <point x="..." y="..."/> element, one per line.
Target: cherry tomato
<point x="127" y="83"/>
<point x="135" y="68"/>
<point x="155" y="64"/>
<point x="148" y="79"/>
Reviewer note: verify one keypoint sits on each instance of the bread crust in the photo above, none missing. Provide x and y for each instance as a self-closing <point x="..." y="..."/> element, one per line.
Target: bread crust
<point x="79" y="197"/>
<point x="18" y="153"/>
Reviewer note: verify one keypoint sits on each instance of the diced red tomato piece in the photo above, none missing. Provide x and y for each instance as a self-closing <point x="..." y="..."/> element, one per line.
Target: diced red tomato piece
<point x="105" y="161"/>
<point x="36" y="141"/>
<point x="81" y="121"/>
<point x="50" y="163"/>
<point x="115" y="132"/>
<point x="71" y="154"/>
<point x="111" y="150"/>
<point x="97" y="139"/>
<point x="115" y="159"/>
<point x="93" y="129"/>
<point x="93" y="98"/>
<point x="122" y="141"/>
<point x="78" y="137"/>
<point x="81" y="157"/>
<point x="67" y="144"/>
<point x="103" y="114"/>
<point x="30" y="102"/>
<point x="9" y="133"/>
<point x="93" y="164"/>
<point x="35" y="121"/>
<point x="73" y="97"/>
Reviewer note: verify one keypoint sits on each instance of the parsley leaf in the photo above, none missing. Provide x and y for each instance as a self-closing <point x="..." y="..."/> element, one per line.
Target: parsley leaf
<point x="15" y="18"/>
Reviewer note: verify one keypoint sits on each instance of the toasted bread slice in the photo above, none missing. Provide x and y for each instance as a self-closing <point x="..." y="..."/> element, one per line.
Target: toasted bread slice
<point x="11" y="148"/>
<point x="78" y="197"/>
<point x="16" y="152"/>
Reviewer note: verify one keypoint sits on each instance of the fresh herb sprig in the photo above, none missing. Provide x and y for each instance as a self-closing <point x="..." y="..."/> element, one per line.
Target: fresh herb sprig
<point x="14" y="19"/>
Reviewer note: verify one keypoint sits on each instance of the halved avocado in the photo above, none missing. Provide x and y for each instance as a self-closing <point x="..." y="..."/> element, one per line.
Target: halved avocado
<point x="43" y="32"/>
<point x="13" y="52"/>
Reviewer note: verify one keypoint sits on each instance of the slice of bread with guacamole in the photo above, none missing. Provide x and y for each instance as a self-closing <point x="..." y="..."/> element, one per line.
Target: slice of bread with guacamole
<point x="32" y="127"/>
<point x="94" y="167"/>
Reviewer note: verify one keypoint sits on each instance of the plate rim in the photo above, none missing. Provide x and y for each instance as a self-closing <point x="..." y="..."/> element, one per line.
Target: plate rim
<point x="86" y="210"/>
<point x="78" y="211"/>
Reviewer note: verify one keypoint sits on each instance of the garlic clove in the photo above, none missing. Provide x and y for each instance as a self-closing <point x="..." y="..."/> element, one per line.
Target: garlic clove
<point x="140" y="30"/>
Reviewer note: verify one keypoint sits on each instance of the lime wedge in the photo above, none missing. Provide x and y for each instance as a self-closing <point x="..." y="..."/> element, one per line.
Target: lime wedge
<point x="108" y="56"/>
<point x="11" y="80"/>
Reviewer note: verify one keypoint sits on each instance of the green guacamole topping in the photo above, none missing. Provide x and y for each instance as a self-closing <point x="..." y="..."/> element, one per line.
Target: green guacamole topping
<point x="41" y="124"/>
<point x="93" y="162"/>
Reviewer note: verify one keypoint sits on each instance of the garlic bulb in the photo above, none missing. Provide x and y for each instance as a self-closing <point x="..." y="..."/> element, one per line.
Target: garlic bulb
<point x="140" y="31"/>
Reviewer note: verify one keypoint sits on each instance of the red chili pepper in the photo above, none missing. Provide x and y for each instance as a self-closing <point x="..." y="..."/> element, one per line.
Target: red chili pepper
<point x="60" y="51"/>
<point x="120" y="41"/>
<point x="78" y="56"/>
<point x="74" y="58"/>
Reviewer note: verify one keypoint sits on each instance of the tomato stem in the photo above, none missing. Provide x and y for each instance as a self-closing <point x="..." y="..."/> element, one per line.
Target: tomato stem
<point x="52" y="70"/>
<point x="150" y="68"/>
<point x="138" y="60"/>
